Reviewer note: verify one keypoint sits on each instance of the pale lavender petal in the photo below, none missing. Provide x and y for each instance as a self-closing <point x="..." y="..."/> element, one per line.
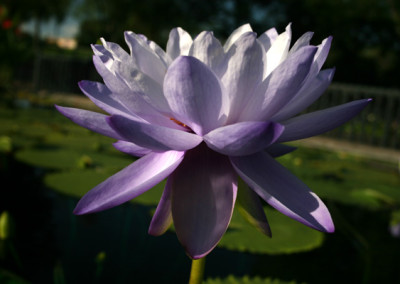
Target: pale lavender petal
<point x="88" y="119"/>
<point x="179" y="43"/>
<point x="308" y="94"/>
<point x="268" y="38"/>
<point x="303" y="41"/>
<point x="147" y="60"/>
<point x="321" y="121"/>
<point x="162" y="218"/>
<point x="243" y="138"/>
<point x="277" y="150"/>
<point x="207" y="49"/>
<point x="131" y="148"/>
<point x="278" y="51"/>
<point x="130" y="182"/>
<point x="117" y="52"/>
<point x="194" y="95"/>
<point x="282" y="190"/>
<point x="322" y="53"/>
<point x="204" y="191"/>
<point x="244" y="70"/>
<point x="280" y="86"/>
<point x="115" y="84"/>
<point x="103" y="98"/>
<point x="250" y="206"/>
<point x="236" y="34"/>
<point x="154" y="137"/>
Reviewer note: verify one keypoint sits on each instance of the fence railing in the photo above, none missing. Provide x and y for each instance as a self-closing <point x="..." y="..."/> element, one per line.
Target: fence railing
<point x="378" y="124"/>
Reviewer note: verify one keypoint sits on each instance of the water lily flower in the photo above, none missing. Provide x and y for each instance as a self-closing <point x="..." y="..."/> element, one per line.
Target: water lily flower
<point x="201" y="115"/>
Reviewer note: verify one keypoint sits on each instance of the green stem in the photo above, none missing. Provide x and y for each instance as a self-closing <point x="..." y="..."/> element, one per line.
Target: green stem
<point x="197" y="271"/>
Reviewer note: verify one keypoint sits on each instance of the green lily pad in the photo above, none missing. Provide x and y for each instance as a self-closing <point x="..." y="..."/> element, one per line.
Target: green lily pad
<point x="288" y="236"/>
<point x="78" y="183"/>
<point x="246" y="280"/>
<point x="346" y="179"/>
<point x="69" y="159"/>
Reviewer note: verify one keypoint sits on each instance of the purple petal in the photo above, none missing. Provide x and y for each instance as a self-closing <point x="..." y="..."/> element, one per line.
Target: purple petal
<point x="283" y="191"/>
<point x="280" y="86"/>
<point x="268" y="38"/>
<point x="131" y="148"/>
<point x="236" y="34"/>
<point x="132" y="181"/>
<point x="134" y="100"/>
<point x="103" y="98"/>
<point x="303" y="41"/>
<point x="147" y="60"/>
<point x="277" y="150"/>
<point x="321" y="121"/>
<point x="179" y="43"/>
<point x="207" y="49"/>
<point x="308" y="94"/>
<point x="155" y="137"/>
<point x="244" y="70"/>
<point x="204" y="190"/>
<point x="103" y="66"/>
<point x="162" y="218"/>
<point x="194" y="94"/>
<point x="88" y="119"/>
<point x="278" y="51"/>
<point x="251" y="208"/>
<point x="243" y="138"/>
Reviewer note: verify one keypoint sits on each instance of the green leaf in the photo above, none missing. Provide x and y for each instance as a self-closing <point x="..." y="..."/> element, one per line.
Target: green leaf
<point x="246" y="280"/>
<point x="69" y="159"/>
<point x="288" y="236"/>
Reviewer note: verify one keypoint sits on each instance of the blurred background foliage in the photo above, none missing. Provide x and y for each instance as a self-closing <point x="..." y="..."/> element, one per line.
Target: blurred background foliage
<point x="366" y="47"/>
<point x="47" y="162"/>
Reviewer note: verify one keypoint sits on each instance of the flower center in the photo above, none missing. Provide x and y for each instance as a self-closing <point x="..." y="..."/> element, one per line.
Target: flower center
<point x="178" y="122"/>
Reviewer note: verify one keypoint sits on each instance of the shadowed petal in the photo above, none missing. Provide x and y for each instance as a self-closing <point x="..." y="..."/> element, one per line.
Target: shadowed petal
<point x="243" y="138"/>
<point x="308" y="94"/>
<point x="103" y="98"/>
<point x="162" y="218"/>
<point x="203" y="196"/>
<point x="243" y="72"/>
<point x="194" y="94"/>
<point x="251" y="208"/>
<point x="179" y="43"/>
<point x="268" y="38"/>
<point x="283" y="191"/>
<point x="280" y="86"/>
<point x="303" y="41"/>
<point x="88" y="119"/>
<point x="131" y="148"/>
<point x="236" y="34"/>
<point x="277" y="150"/>
<point x="321" y="121"/>
<point x="154" y="137"/>
<point x="146" y="58"/>
<point x="207" y="49"/>
<point x="130" y="182"/>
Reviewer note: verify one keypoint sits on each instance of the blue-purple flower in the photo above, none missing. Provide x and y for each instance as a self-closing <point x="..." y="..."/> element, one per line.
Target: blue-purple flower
<point x="203" y="114"/>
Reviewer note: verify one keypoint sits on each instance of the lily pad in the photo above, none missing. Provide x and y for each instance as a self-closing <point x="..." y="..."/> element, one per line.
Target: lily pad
<point x="69" y="159"/>
<point x="288" y="236"/>
<point x="246" y="280"/>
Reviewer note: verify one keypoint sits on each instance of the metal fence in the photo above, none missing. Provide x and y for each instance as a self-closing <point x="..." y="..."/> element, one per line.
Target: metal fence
<point x="377" y="125"/>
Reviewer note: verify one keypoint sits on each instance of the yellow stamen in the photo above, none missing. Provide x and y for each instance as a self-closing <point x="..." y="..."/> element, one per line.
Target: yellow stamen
<point x="178" y="122"/>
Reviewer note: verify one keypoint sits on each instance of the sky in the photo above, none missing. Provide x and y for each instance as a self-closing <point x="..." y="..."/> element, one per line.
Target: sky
<point x="67" y="29"/>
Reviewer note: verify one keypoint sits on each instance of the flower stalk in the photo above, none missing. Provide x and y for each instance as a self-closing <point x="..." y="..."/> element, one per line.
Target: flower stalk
<point x="197" y="271"/>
